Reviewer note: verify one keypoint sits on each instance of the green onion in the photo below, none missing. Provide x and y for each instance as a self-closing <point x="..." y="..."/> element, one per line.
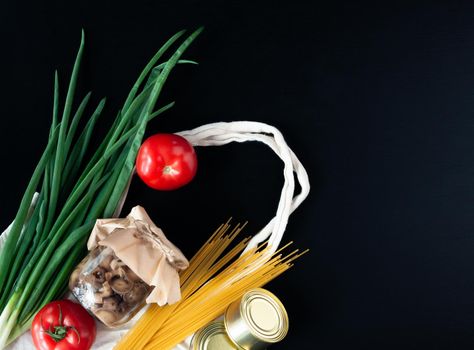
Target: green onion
<point x="41" y="251"/>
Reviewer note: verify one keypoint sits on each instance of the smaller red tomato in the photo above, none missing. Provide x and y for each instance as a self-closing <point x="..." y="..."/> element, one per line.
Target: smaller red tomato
<point x="63" y="325"/>
<point x="166" y="162"/>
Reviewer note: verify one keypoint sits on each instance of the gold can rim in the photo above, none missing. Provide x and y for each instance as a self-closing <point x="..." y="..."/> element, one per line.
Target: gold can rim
<point x="263" y="314"/>
<point x="268" y="335"/>
<point x="203" y="339"/>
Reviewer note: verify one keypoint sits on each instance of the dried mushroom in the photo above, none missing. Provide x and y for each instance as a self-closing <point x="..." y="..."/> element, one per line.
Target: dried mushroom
<point x="106" y="289"/>
<point x="121" y="285"/>
<point x="115" y="264"/>
<point x="104" y="292"/>
<point x="99" y="274"/>
<point x="96" y="277"/>
<point x="98" y="298"/>
<point x="109" y="275"/>
<point x="111" y="303"/>
<point x="107" y="317"/>
<point x="132" y="276"/>
<point x="137" y="294"/>
<point x="119" y="272"/>
<point x="105" y="264"/>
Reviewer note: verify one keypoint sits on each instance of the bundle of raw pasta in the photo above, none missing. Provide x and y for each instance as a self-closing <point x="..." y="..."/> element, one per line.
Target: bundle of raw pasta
<point x="214" y="279"/>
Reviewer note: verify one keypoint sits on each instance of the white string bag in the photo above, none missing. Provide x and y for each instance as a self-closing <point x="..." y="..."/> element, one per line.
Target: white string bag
<point x="218" y="134"/>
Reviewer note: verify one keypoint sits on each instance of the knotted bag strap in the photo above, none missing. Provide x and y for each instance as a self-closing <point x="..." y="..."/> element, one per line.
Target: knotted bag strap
<point x="218" y="134"/>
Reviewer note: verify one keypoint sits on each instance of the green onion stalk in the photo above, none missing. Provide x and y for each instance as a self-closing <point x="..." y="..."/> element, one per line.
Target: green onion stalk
<point x="45" y="244"/>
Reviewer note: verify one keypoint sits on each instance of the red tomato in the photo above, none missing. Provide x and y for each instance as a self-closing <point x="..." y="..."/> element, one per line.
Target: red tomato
<point x="166" y="162"/>
<point x="63" y="325"/>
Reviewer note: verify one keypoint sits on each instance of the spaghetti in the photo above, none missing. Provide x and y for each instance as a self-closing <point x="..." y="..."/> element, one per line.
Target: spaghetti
<point x="215" y="278"/>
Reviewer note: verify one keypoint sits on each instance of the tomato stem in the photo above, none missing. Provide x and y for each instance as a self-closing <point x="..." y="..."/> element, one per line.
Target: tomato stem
<point x="169" y="170"/>
<point x="60" y="331"/>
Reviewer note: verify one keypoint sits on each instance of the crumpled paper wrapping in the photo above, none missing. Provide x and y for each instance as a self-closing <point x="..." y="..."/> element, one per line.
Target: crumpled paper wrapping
<point x="144" y="248"/>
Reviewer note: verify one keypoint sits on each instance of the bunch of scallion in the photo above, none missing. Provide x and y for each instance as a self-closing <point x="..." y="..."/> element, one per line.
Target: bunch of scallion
<point x="43" y="246"/>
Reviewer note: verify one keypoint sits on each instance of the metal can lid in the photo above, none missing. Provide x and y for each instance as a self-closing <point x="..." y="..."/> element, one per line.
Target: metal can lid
<point x="257" y="320"/>
<point x="265" y="315"/>
<point x="212" y="337"/>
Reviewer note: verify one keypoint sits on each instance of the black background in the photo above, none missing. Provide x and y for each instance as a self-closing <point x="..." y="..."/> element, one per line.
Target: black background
<point x="377" y="101"/>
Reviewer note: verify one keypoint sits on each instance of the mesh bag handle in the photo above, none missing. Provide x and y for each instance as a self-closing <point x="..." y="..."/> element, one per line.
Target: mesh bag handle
<point x="218" y="134"/>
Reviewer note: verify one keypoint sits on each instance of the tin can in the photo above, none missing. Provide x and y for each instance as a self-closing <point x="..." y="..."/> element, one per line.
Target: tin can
<point x="257" y="320"/>
<point x="212" y="337"/>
